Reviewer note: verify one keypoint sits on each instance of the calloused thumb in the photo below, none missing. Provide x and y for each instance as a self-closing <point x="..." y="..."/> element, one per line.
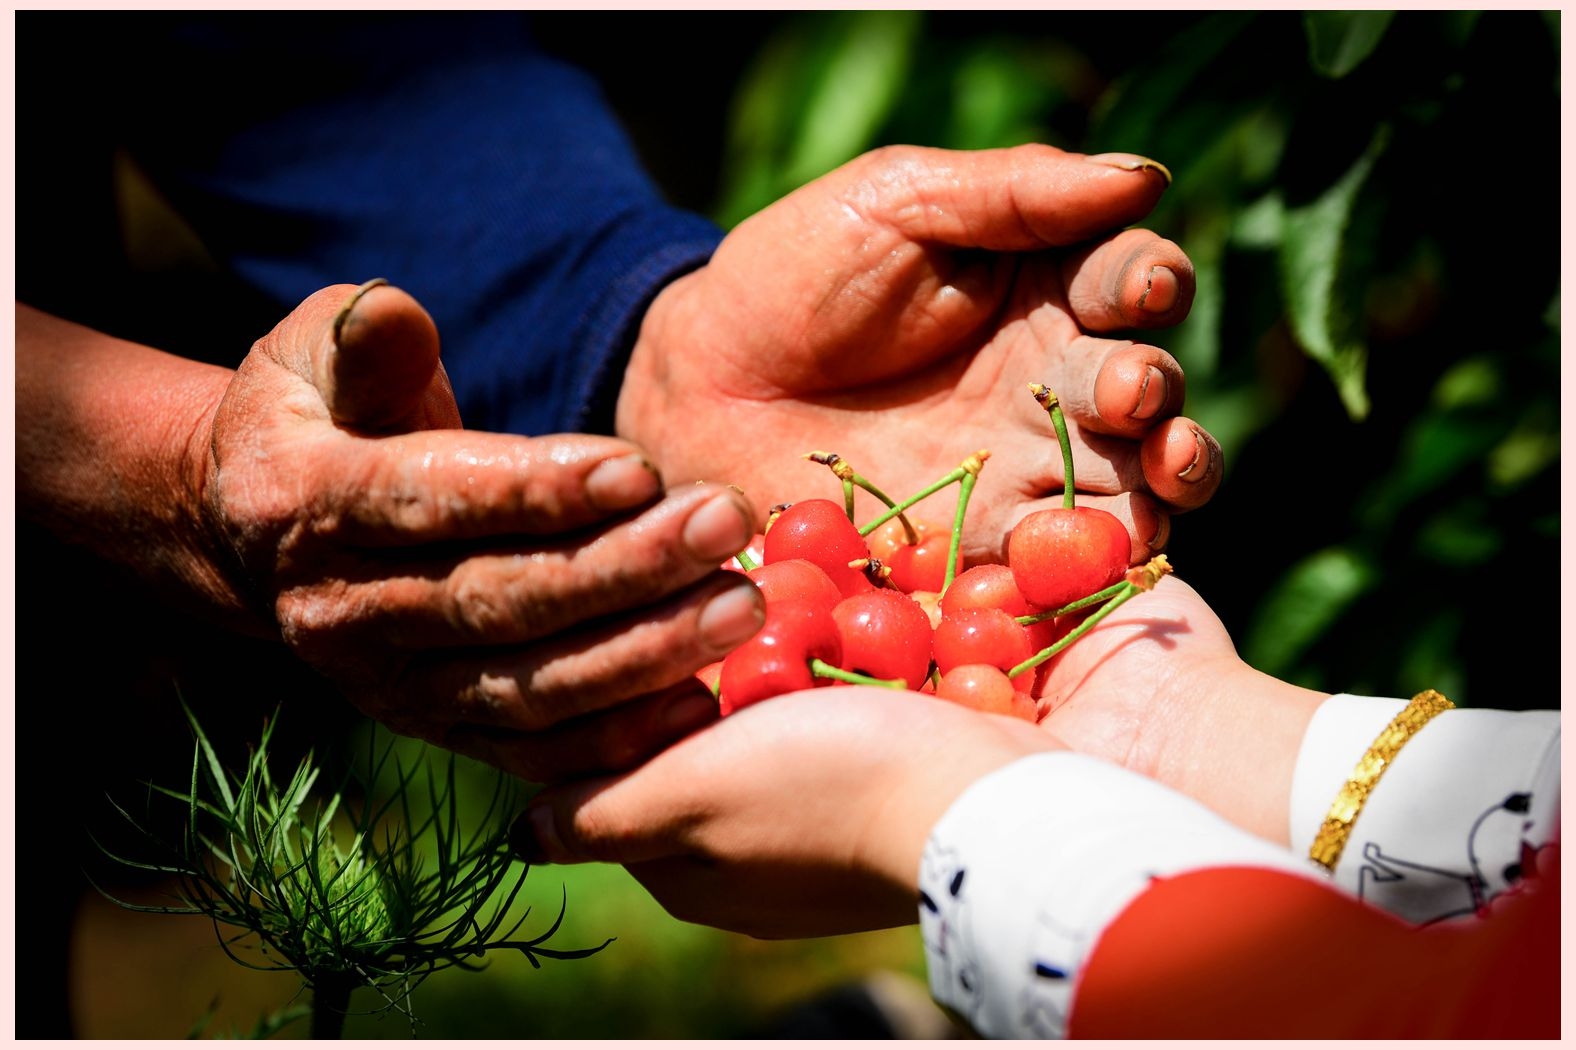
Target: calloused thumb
<point x="381" y="370"/>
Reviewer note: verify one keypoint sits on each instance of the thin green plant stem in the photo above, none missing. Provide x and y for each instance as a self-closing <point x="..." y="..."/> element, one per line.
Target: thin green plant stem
<point x="1082" y="603"/>
<point x="1053" y="406"/>
<point x="965" y="489"/>
<point x="1138" y="581"/>
<point x="969" y="466"/>
<point x="821" y="669"/>
<point x="850" y="478"/>
<point x="1126" y="591"/>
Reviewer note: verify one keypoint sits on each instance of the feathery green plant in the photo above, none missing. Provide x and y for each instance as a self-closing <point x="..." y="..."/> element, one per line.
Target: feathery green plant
<point x="380" y="893"/>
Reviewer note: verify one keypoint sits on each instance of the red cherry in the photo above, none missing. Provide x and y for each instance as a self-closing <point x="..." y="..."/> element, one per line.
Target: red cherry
<point x="918" y="566"/>
<point x="819" y="531"/>
<point x="777" y="659"/>
<point x="986" y="688"/>
<point x="921" y="567"/>
<point x="983" y="636"/>
<point x="985" y="587"/>
<point x="1065" y="553"/>
<point x="795" y="578"/>
<point x="890" y="535"/>
<point x="885" y="635"/>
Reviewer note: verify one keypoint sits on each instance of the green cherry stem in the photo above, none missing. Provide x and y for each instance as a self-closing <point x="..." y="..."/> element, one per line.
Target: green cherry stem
<point x="1125" y="591"/>
<point x="745" y="561"/>
<point x="821" y="669"/>
<point x="971" y="465"/>
<point x="965" y="489"/>
<point x="849" y="477"/>
<point x="1082" y="603"/>
<point x="1053" y="406"/>
<point x="1141" y="579"/>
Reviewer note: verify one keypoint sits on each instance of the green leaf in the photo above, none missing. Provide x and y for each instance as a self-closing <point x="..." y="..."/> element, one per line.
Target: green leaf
<point x="1299" y="609"/>
<point x="1313" y="240"/>
<point x="866" y="64"/>
<point x="816" y="97"/>
<point x="1532" y="447"/>
<point x="1339" y="41"/>
<point x="1459" y="537"/>
<point x="996" y="98"/>
<point x="1137" y="110"/>
<point x="1439" y="451"/>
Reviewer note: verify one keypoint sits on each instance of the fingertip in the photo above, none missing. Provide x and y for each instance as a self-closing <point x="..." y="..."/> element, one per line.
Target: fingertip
<point x="382" y="357"/>
<point x="534" y="835"/>
<point x="1136" y="387"/>
<point x="1132" y="162"/>
<point x="622" y="483"/>
<point x="1134" y="279"/>
<point x="524" y="842"/>
<point x="1150" y="529"/>
<point x="1182" y="463"/>
<point x="720" y="527"/>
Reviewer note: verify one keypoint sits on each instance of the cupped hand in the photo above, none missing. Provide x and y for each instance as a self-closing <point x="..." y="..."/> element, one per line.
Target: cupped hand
<point x="1158" y="687"/>
<point x="895" y="311"/>
<point x="537" y="602"/>
<point x="803" y="816"/>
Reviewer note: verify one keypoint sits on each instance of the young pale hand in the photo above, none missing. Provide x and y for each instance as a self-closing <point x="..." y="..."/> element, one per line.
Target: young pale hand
<point x="803" y="816"/>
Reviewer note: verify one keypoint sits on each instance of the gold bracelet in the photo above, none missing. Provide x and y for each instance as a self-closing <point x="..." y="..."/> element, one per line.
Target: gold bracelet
<point x="1337" y="827"/>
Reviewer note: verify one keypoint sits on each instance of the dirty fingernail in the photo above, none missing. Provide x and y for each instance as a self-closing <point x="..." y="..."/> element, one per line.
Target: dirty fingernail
<point x="1161" y="293"/>
<point x="350" y="305"/>
<point x="717" y="529"/>
<point x="732" y="617"/>
<point x="1131" y="162"/>
<point x="1157" y="542"/>
<point x="1203" y="456"/>
<point x="622" y="483"/>
<point x="1152" y="395"/>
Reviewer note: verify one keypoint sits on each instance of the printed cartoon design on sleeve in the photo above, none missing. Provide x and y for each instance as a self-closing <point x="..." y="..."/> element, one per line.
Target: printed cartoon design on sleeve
<point x="1500" y="852"/>
<point x="944" y="923"/>
<point x="1055" y="953"/>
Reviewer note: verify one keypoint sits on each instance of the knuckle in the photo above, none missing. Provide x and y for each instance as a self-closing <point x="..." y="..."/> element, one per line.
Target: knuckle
<point x="479" y="603"/>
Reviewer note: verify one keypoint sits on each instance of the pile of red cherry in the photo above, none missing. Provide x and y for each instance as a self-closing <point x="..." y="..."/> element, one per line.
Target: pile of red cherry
<point x="892" y="604"/>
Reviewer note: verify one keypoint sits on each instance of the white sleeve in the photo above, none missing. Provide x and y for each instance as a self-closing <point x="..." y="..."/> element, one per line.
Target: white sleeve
<point x="1033" y="861"/>
<point x="1457" y="816"/>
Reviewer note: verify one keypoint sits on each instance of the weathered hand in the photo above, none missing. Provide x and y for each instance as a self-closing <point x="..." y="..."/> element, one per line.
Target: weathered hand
<point x="895" y="311"/>
<point x="533" y="601"/>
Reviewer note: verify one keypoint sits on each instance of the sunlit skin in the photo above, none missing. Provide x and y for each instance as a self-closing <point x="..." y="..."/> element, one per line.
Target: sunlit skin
<point x="535" y="602"/>
<point x="888" y="312"/>
<point x="805" y="815"/>
<point x="544" y="602"/>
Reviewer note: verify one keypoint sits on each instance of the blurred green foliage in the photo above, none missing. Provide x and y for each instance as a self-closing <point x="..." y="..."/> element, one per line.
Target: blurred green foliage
<point x="1371" y="201"/>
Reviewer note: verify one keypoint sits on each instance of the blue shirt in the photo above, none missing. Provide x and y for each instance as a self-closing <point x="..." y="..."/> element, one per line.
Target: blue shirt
<point x="446" y="153"/>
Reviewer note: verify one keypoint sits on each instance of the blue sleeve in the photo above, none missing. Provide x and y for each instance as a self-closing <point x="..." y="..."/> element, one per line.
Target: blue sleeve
<point x="445" y="153"/>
